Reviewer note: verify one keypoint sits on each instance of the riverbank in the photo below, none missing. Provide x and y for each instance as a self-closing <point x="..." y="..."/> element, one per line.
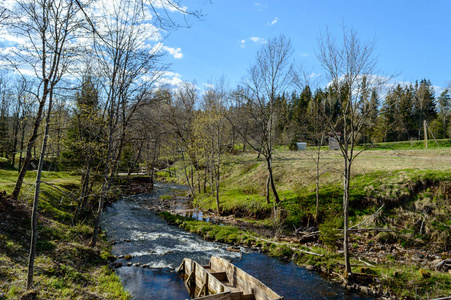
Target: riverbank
<point x="65" y="266"/>
<point x="400" y="215"/>
<point x="373" y="280"/>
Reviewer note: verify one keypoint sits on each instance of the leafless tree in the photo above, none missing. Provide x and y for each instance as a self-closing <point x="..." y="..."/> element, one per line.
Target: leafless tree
<point x="179" y="113"/>
<point x="4" y="14"/>
<point x="269" y="77"/>
<point x="129" y="66"/>
<point x="211" y="136"/>
<point x="49" y="27"/>
<point x="347" y="62"/>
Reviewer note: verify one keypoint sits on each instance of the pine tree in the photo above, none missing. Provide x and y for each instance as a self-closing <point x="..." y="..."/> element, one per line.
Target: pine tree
<point x="425" y="106"/>
<point x="444" y="104"/>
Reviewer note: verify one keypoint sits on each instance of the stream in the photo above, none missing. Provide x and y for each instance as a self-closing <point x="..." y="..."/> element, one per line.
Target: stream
<point x="138" y="231"/>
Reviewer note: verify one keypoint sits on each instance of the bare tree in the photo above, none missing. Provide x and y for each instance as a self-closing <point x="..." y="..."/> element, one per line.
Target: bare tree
<point x="211" y="136"/>
<point x="269" y="77"/>
<point x="179" y="113"/>
<point x="49" y="27"/>
<point x="347" y="63"/>
<point x="129" y="66"/>
<point x="3" y="14"/>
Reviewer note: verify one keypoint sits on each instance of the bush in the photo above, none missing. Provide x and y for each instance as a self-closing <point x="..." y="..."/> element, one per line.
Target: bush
<point x="328" y="232"/>
<point x="5" y="164"/>
<point x="386" y="238"/>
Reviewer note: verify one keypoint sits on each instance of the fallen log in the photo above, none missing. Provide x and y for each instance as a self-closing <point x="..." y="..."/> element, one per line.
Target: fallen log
<point x="292" y="248"/>
<point x="444" y="262"/>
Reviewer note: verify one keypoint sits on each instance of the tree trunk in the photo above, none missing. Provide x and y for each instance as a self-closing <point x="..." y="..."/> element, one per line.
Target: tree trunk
<point x="154" y="160"/>
<point x="14" y="148"/>
<point x="346" y="180"/>
<point x="185" y="169"/>
<point x="267" y="190"/>
<point x="317" y="194"/>
<point x="271" y="180"/>
<point x="34" y="214"/>
<point x="105" y="178"/>
<point x="84" y="191"/>
<point x="136" y="161"/>
<point x="103" y="191"/>
<point x="31" y="143"/>
<point x="217" y="170"/>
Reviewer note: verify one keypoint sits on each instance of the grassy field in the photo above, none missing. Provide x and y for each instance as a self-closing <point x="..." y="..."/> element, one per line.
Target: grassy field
<point x="65" y="267"/>
<point x="244" y="176"/>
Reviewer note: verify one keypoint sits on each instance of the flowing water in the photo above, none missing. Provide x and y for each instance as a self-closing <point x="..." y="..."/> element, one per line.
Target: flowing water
<point x="138" y="231"/>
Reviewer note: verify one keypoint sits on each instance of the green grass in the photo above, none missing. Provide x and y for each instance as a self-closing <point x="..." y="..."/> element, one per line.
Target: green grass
<point x="65" y="267"/>
<point x="411" y="145"/>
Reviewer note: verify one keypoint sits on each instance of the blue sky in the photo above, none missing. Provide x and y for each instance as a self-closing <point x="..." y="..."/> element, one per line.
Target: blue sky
<point x="413" y="38"/>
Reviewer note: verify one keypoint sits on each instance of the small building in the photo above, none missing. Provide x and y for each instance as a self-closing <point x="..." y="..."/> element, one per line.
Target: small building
<point x="301" y="146"/>
<point x="333" y="142"/>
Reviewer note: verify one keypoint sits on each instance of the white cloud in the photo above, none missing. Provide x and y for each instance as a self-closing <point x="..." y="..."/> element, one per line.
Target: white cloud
<point x="254" y="39"/>
<point x="260" y="7"/>
<point x="304" y="54"/>
<point x="176" y="52"/>
<point x="170" y="78"/>
<point x="168" y="6"/>
<point x="314" y="75"/>
<point x="209" y="86"/>
<point x="257" y="40"/>
<point x="273" y="22"/>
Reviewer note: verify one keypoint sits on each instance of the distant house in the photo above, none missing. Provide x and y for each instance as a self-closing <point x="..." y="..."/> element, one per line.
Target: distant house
<point x="301" y="146"/>
<point x="333" y="143"/>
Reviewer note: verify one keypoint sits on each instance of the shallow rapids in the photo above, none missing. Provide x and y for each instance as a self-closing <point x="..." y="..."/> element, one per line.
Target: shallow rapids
<point x="139" y="232"/>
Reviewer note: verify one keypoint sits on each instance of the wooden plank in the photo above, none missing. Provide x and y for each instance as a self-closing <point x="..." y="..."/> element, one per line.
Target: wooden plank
<point x="227" y="282"/>
<point x="199" y="283"/>
<point x="243" y="281"/>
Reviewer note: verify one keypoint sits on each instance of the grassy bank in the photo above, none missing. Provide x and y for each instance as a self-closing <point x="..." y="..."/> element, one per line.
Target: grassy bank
<point x="393" y="252"/>
<point x="65" y="267"/>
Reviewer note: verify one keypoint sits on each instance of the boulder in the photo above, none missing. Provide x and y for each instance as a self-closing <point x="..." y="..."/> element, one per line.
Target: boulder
<point x="310" y="267"/>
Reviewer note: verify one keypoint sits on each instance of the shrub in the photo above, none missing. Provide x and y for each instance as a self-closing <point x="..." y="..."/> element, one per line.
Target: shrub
<point x="386" y="238"/>
<point x="328" y="232"/>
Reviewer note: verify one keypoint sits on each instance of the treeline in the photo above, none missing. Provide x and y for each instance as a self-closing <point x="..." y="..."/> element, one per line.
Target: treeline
<point x="78" y="121"/>
<point x="398" y="114"/>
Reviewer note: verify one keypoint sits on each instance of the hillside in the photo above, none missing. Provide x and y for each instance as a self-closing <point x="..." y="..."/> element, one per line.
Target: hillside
<point x="400" y="215"/>
<point x="65" y="267"/>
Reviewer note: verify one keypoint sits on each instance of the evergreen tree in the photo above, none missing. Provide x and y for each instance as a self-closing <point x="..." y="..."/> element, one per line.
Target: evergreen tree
<point x="84" y="143"/>
<point x="444" y="105"/>
<point x="83" y="131"/>
<point x="425" y="106"/>
<point x="406" y="111"/>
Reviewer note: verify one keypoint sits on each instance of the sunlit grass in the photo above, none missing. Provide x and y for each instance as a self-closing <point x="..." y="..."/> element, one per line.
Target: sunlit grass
<point x="65" y="267"/>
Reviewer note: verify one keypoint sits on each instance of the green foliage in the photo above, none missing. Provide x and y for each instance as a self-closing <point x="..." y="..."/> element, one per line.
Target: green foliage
<point x="85" y="131"/>
<point x="329" y="231"/>
<point x="110" y="284"/>
<point x="5" y="164"/>
<point x="281" y="251"/>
